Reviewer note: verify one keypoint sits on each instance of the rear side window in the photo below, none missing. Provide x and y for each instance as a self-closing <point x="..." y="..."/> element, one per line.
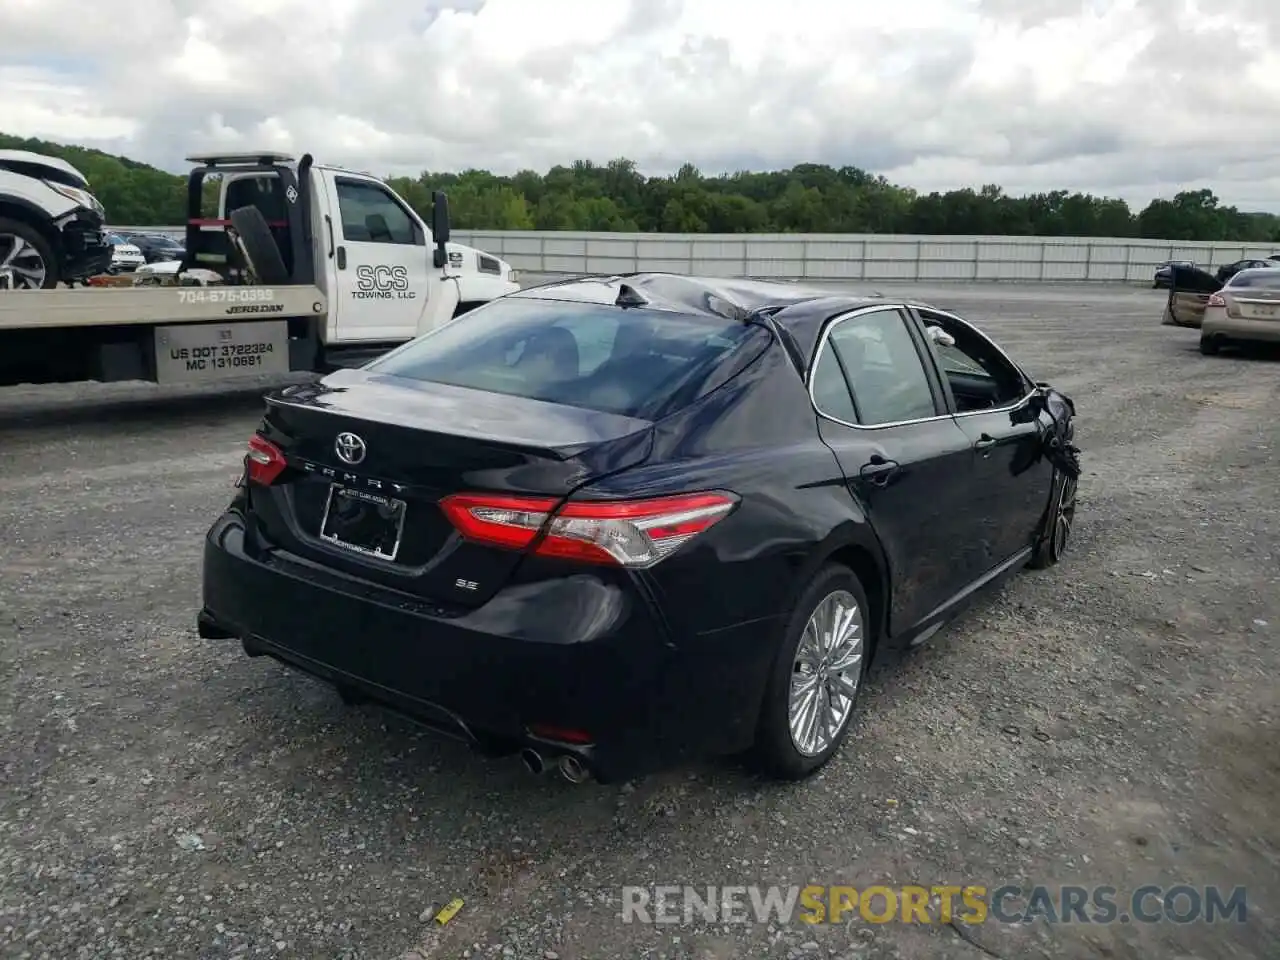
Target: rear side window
<point x="883" y="368"/>
<point x="598" y="357"/>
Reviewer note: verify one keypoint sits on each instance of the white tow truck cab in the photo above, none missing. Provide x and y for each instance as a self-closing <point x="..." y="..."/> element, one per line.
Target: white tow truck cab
<point x="314" y="267"/>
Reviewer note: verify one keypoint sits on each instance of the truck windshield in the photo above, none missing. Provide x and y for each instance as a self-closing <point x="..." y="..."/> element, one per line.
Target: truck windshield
<point x="596" y="356"/>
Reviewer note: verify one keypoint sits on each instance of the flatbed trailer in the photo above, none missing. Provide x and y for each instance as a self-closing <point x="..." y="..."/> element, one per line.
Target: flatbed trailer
<point x="128" y="306"/>
<point x="313" y="268"/>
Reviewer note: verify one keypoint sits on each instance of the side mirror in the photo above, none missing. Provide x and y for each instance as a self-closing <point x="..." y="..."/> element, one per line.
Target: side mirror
<point x="941" y="337"/>
<point x="440" y="227"/>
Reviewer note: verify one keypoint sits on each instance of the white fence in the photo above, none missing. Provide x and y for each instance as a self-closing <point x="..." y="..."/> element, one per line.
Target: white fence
<point x="846" y="256"/>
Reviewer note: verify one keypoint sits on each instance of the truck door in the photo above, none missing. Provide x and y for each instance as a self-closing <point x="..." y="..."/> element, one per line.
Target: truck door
<point x="381" y="279"/>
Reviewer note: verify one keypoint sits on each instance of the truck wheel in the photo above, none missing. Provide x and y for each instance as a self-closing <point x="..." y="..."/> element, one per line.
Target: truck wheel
<point x="259" y="246"/>
<point x="27" y="261"/>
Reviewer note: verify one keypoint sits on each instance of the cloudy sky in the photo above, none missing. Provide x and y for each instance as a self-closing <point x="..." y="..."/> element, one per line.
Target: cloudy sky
<point x="1129" y="98"/>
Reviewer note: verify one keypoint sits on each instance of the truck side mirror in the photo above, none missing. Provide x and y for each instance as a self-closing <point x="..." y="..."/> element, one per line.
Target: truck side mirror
<point x="440" y="226"/>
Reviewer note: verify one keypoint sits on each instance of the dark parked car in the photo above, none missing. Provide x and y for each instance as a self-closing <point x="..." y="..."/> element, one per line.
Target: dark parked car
<point x="1229" y="270"/>
<point x="616" y="523"/>
<point x="158" y="248"/>
<point x="1164" y="272"/>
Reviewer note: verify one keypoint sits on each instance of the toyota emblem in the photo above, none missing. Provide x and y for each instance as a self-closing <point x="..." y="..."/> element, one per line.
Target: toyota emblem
<point x="350" y="448"/>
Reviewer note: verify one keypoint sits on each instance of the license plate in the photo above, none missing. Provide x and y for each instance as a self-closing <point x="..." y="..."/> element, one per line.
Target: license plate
<point x="363" y="522"/>
<point x="203" y="352"/>
<point x="1266" y="313"/>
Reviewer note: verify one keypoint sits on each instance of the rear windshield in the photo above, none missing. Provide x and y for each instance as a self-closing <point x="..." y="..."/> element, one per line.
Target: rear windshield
<point x="598" y="357"/>
<point x="1266" y="277"/>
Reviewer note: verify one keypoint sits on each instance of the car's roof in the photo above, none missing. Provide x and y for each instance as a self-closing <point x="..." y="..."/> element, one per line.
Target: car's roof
<point x="800" y="310"/>
<point x="709" y="296"/>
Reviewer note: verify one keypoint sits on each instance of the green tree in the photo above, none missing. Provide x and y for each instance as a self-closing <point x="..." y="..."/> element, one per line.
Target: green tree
<point x="808" y="198"/>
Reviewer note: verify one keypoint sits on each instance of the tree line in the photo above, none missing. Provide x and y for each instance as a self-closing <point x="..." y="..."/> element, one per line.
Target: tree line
<point x="808" y="198"/>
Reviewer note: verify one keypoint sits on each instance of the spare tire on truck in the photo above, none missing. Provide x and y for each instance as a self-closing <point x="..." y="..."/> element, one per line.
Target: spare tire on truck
<point x="258" y="246"/>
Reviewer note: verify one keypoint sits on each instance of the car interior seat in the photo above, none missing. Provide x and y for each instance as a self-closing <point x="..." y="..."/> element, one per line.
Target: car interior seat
<point x="549" y="355"/>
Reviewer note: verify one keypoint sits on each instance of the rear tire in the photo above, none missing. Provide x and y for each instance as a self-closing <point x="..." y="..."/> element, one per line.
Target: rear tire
<point x="1209" y="346"/>
<point x="27" y="260"/>
<point x="813" y="690"/>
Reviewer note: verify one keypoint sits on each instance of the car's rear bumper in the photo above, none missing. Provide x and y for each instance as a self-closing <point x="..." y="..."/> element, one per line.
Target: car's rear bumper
<point x="1218" y="324"/>
<point x="583" y="656"/>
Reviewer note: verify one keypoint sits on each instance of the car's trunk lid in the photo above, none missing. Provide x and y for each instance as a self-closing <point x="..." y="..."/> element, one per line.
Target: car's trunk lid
<point x="422" y="441"/>
<point x="1253" y="303"/>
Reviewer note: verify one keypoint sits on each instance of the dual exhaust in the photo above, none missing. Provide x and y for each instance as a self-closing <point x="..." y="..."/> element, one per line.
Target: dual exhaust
<point x="570" y="767"/>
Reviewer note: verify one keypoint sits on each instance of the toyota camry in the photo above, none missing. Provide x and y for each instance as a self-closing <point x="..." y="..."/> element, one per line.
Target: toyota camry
<point x="613" y="524"/>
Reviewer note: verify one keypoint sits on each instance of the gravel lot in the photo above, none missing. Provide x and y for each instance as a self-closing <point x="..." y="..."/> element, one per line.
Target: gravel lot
<point x="1112" y="721"/>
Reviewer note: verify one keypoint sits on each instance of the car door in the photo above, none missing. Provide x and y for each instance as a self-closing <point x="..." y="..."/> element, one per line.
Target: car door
<point x="381" y="275"/>
<point x="906" y="463"/>
<point x="990" y="397"/>
<point x="1189" y="292"/>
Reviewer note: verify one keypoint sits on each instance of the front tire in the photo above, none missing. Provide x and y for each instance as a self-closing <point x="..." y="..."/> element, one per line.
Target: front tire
<point x="1059" y="523"/>
<point x="813" y="690"/>
<point x="27" y="261"/>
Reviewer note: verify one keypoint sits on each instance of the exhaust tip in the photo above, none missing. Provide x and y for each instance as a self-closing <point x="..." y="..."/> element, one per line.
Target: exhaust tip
<point x="533" y="760"/>
<point x="573" y="769"/>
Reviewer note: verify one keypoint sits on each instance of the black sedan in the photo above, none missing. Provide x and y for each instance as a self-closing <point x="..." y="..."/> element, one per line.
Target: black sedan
<point x="1164" y="273"/>
<point x="617" y="523"/>
<point x="1229" y="270"/>
<point x="157" y="247"/>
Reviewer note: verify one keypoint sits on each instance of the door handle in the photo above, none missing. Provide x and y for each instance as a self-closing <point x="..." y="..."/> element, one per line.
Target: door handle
<point x="342" y="258"/>
<point x="984" y="444"/>
<point x="879" y="470"/>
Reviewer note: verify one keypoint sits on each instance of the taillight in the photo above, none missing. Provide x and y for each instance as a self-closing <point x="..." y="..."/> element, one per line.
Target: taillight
<point x="1216" y="300"/>
<point x="498" y="521"/>
<point x="627" y="533"/>
<point x="265" y="461"/>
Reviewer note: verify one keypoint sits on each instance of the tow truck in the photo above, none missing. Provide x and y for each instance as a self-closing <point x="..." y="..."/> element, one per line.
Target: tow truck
<point x="313" y="268"/>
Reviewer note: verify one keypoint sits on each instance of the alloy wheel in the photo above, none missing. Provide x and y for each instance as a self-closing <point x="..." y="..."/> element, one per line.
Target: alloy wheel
<point x="22" y="266"/>
<point x="1064" y="516"/>
<point x="826" y="673"/>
